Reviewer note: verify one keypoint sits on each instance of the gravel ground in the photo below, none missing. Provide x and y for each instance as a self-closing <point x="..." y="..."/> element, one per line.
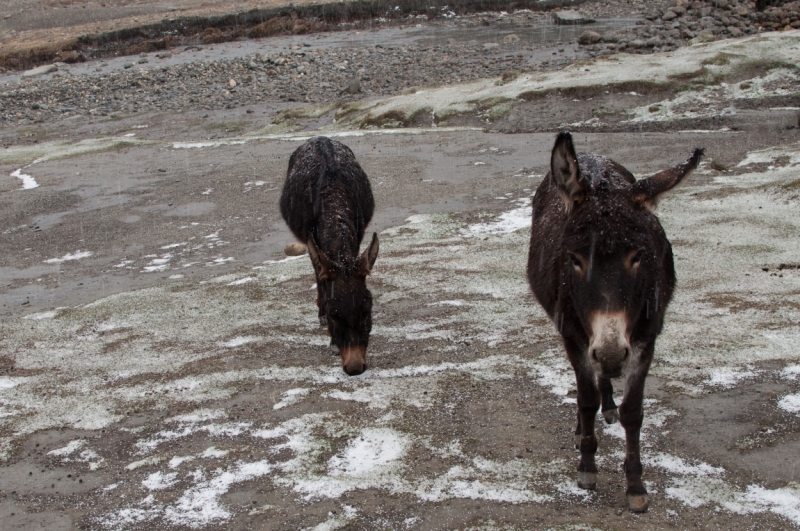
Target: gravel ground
<point x="303" y="71"/>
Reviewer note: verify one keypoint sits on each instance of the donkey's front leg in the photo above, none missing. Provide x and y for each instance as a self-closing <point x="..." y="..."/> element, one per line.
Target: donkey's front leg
<point x="588" y="404"/>
<point x="609" y="408"/>
<point x="631" y="415"/>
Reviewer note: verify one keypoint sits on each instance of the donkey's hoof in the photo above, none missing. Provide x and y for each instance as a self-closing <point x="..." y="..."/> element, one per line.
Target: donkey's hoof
<point x="587" y="480"/>
<point x="638" y="503"/>
<point x="611" y="415"/>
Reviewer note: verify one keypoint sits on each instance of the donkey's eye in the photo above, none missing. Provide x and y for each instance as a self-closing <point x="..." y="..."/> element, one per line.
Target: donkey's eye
<point x="576" y="262"/>
<point x="637" y="257"/>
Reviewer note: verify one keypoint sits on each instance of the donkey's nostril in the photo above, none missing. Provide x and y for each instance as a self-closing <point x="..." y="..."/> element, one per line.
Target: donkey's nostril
<point x="627" y="354"/>
<point x="594" y="355"/>
<point x="355" y="369"/>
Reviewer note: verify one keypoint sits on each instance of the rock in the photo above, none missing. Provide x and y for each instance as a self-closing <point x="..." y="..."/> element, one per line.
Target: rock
<point x="589" y="37"/>
<point x="570" y="16"/>
<point x="610" y="37"/>
<point x="40" y="70"/>
<point x="127" y="66"/>
<point x="231" y="83"/>
<point x="734" y="31"/>
<point x="353" y="87"/>
<point x="490" y="46"/>
<point x="669" y="15"/>
<point x="295" y="249"/>
<point x="511" y="38"/>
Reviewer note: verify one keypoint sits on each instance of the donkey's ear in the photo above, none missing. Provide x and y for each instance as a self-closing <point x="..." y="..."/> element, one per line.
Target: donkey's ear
<point x="647" y="191"/>
<point x="324" y="267"/>
<point x="565" y="172"/>
<point x="368" y="257"/>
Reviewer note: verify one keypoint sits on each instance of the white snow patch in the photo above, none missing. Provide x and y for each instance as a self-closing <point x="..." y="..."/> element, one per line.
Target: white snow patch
<point x="373" y="449"/>
<point x="676" y="465"/>
<point x="77" y="255"/>
<point x="241" y="340"/>
<point x="511" y="221"/>
<point x="241" y="281"/>
<point x="292" y="396"/>
<point x="160" y="481"/>
<point x="211" y="451"/>
<point x="790" y="403"/>
<point x="200" y="505"/>
<point x="728" y="377"/>
<point x="28" y="182"/>
<point x="42" y="315"/>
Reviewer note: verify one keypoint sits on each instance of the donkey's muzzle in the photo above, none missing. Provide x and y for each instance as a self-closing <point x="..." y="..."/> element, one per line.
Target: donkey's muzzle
<point x="354" y="360"/>
<point x="609" y="349"/>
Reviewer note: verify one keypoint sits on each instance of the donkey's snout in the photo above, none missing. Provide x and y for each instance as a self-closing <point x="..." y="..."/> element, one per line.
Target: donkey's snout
<point x="354" y="360"/>
<point x="609" y="350"/>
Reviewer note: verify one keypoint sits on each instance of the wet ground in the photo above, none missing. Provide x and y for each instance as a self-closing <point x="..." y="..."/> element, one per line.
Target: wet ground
<point x="162" y="366"/>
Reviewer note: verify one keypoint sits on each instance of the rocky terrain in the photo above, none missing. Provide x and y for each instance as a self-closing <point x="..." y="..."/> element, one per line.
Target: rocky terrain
<point x="304" y="71"/>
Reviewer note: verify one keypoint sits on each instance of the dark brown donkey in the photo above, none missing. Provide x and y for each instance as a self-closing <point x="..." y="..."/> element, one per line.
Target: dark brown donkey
<point x="601" y="266"/>
<point x="327" y="203"/>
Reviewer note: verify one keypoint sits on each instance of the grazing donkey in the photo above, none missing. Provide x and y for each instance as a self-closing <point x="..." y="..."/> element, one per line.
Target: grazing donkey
<point x="601" y="266"/>
<point x="327" y="203"/>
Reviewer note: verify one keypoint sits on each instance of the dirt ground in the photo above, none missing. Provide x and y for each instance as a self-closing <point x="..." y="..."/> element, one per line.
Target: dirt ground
<point x="161" y="365"/>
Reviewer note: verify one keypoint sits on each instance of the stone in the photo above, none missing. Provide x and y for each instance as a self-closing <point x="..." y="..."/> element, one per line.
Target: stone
<point x="511" y="38"/>
<point x="353" y="87"/>
<point x="669" y="15"/>
<point x="490" y="46"/>
<point x="40" y="70"/>
<point x="295" y="249"/>
<point x="734" y="31"/>
<point x="231" y="83"/>
<point x="570" y="16"/>
<point x="589" y="37"/>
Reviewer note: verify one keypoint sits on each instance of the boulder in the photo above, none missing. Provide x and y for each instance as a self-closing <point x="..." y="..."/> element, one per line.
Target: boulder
<point x="570" y="16"/>
<point x="589" y="37"/>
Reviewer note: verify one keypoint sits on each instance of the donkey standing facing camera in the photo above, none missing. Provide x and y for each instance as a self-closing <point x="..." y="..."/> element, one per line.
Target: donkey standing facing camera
<point x="327" y="203"/>
<point x="601" y="266"/>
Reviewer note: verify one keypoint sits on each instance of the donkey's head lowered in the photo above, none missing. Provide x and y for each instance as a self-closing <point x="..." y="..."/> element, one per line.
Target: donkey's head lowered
<point x="617" y="262"/>
<point x="347" y="302"/>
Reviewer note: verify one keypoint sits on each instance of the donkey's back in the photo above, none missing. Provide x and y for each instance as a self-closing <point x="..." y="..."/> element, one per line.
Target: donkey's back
<point x="325" y="181"/>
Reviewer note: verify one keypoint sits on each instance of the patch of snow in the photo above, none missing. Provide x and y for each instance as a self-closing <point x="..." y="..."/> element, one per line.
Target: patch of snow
<point x="28" y="182"/>
<point x="511" y="221"/>
<point x="77" y="255"/>
<point x="292" y="396"/>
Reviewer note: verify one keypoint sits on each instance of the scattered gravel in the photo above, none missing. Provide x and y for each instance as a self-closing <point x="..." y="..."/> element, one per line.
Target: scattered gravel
<point x="302" y="73"/>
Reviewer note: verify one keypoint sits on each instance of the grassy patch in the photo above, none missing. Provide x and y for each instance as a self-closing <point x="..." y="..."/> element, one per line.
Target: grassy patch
<point x="393" y="119"/>
<point x="307" y="111"/>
